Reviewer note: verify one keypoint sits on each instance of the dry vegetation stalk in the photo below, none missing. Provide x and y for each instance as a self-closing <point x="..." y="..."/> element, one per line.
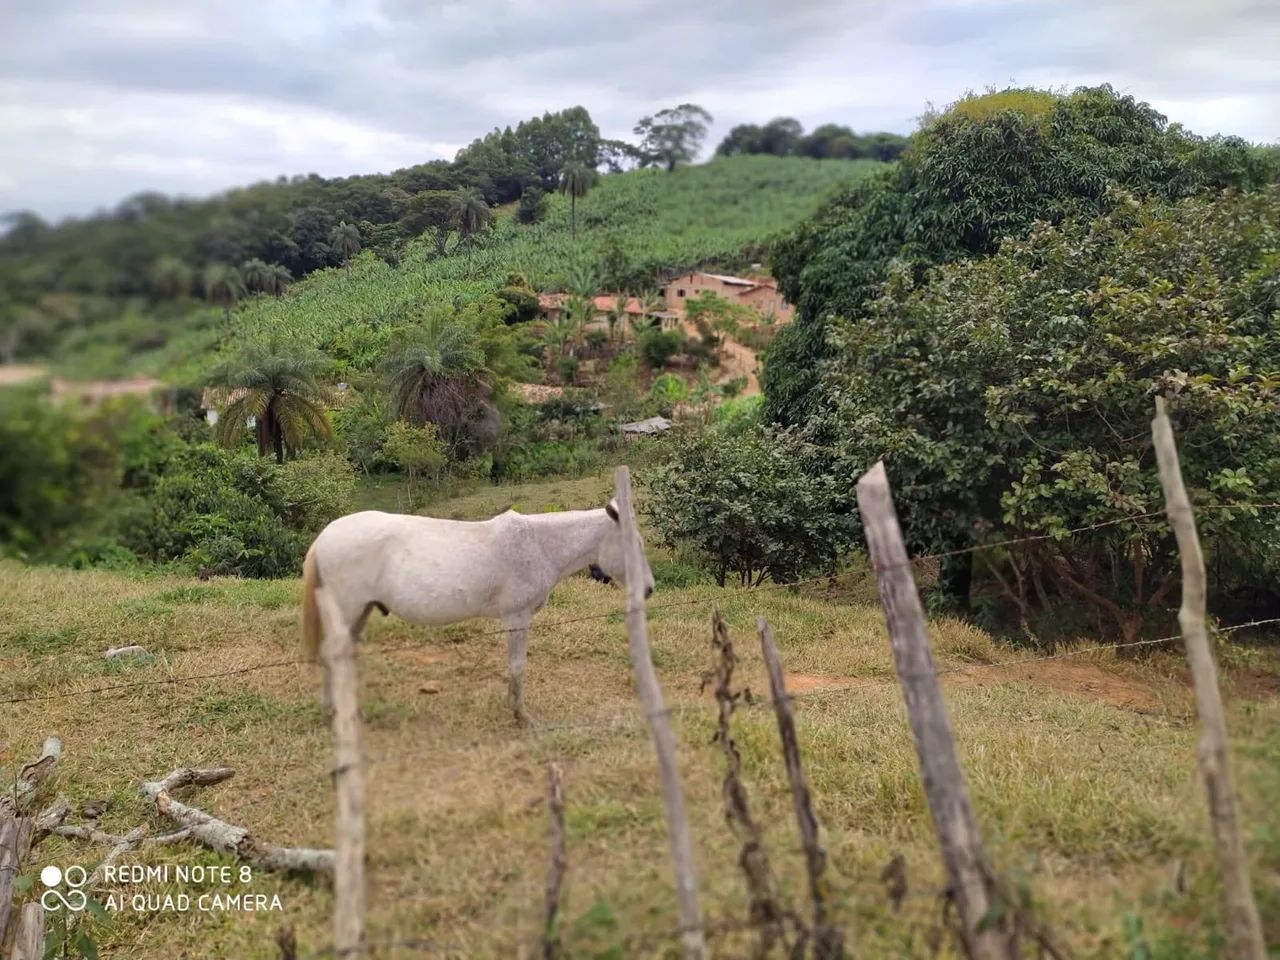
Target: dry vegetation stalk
<point x="944" y="783"/>
<point x="664" y="741"/>
<point x="766" y="913"/>
<point x="828" y="939"/>
<point x="1244" y="931"/>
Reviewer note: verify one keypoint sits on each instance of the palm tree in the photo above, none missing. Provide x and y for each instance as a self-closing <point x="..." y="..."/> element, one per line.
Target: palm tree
<point x="275" y="382"/>
<point x="223" y="286"/>
<point x="575" y="180"/>
<point x="279" y="279"/>
<point x="170" y="278"/>
<point x="344" y="241"/>
<point x="471" y="215"/>
<point x="437" y="374"/>
<point x="257" y="275"/>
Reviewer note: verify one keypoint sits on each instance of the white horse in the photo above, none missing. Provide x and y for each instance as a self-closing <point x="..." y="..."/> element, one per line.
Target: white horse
<point x="431" y="571"/>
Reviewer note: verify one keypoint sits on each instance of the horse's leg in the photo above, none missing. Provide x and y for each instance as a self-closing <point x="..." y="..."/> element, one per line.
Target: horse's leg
<point x="517" y="651"/>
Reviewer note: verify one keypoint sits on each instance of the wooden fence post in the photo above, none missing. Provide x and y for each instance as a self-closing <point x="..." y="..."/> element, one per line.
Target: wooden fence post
<point x="339" y="655"/>
<point x="1244" y="931"/>
<point x="664" y="741"/>
<point x="972" y="885"/>
<point x="828" y="938"/>
<point x="559" y="861"/>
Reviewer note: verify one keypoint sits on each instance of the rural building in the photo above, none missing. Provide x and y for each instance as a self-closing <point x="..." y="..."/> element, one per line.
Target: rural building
<point x="757" y="292"/>
<point x="552" y="306"/>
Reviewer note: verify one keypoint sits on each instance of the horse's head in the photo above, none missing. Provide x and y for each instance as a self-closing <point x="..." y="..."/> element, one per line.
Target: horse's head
<point x="610" y="563"/>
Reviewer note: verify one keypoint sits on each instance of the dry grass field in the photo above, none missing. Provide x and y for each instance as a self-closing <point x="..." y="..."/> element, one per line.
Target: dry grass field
<point x="1082" y="769"/>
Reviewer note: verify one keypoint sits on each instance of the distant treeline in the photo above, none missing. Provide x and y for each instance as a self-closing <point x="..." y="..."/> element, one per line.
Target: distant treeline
<point x="785" y="137"/>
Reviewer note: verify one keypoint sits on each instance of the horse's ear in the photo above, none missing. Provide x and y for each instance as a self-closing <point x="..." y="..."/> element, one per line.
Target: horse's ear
<point x="612" y="510"/>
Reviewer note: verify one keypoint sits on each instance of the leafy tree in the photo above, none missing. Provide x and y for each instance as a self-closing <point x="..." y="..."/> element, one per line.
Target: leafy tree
<point x="223" y="286"/>
<point x="672" y="136"/>
<point x="717" y="317"/>
<point x="779" y="137"/>
<point x="533" y="205"/>
<point x="171" y="279"/>
<point x="344" y="243"/>
<point x="575" y="181"/>
<point x="434" y="211"/>
<point x="987" y="168"/>
<point x="745" y="501"/>
<point x="275" y="381"/>
<point x="1012" y="396"/>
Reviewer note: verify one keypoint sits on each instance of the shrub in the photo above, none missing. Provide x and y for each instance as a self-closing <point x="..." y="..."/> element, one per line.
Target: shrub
<point x="667" y="392"/>
<point x="419" y="451"/>
<point x="748" y="505"/>
<point x="523" y="302"/>
<point x="658" y="346"/>
<point x="315" y="489"/>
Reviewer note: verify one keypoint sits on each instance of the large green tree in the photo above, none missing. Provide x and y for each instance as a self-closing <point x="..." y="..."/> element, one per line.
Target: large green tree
<point x="985" y="169"/>
<point x="1011" y="397"/>
<point x="275" y="381"/>
<point x="672" y="136"/>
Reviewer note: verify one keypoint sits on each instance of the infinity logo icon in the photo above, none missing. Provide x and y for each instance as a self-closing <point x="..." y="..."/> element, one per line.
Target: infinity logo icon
<point x="75" y="900"/>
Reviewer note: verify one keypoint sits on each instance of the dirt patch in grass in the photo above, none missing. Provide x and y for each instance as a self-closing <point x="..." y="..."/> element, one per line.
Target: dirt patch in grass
<point x="1076" y="679"/>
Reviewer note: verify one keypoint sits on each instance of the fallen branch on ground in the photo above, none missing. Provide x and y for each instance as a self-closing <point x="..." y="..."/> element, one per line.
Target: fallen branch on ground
<point x="226" y="837"/>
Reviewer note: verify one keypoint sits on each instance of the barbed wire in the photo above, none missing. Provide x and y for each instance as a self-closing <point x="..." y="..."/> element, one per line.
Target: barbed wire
<point x="382" y="650"/>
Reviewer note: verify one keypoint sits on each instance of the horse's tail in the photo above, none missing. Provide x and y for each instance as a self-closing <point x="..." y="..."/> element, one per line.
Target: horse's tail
<point x="311" y="627"/>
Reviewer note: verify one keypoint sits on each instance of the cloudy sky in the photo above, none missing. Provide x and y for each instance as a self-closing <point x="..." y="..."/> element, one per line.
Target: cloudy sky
<point x="102" y="99"/>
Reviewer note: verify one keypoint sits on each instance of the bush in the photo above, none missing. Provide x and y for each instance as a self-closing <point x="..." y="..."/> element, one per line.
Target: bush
<point x="418" y="451"/>
<point x="523" y="301"/>
<point x="1012" y="396"/>
<point x="667" y="392"/>
<point x="658" y="346"/>
<point x="550" y="458"/>
<point x="315" y="490"/>
<point x="749" y="505"/>
<point x="567" y="368"/>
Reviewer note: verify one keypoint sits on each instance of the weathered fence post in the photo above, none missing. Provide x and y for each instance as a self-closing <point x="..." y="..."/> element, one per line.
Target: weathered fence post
<point x="1244" y="931"/>
<point x="664" y="741"/>
<point x="559" y="860"/>
<point x="339" y="655"/>
<point x="970" y="880"/>
<point x="828" y="938"/>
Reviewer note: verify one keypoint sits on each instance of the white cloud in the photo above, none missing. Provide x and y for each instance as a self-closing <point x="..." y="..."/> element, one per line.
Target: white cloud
<point x="99" y="101"/>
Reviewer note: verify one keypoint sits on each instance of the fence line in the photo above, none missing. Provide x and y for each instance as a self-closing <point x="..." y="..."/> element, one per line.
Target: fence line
<point x="369" y="651"/>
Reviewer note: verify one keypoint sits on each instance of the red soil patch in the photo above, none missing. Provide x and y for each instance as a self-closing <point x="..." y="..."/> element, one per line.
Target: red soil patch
<point x="1078" y="679"/>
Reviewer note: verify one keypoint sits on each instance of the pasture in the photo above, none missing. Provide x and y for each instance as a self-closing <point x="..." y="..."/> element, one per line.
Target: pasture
<point x="1082" y="769"/>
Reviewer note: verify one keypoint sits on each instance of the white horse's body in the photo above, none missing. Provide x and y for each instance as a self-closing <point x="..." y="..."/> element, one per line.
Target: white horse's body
<point x="430" y="571"/>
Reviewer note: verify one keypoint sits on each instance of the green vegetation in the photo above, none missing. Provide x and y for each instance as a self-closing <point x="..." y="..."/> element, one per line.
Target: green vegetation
<point x="982" y="171"/>
<point x="1097" y="802"/>
<point x="785" y="137"/>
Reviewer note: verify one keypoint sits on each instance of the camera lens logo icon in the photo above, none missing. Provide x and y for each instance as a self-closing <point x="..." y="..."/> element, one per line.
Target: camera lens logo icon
<point x="75" y="899"/>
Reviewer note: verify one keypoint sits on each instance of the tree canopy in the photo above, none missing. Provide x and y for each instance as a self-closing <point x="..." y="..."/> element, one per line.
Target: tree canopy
<point x="672" y="136"/>
<point x="985" y="169"/>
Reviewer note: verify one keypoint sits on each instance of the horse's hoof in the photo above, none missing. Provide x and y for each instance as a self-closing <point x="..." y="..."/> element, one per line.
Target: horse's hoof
<point x="526" y="722"/>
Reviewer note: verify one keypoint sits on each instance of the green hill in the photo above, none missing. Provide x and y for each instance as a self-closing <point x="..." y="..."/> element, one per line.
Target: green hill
<point x="632" y="226"/>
